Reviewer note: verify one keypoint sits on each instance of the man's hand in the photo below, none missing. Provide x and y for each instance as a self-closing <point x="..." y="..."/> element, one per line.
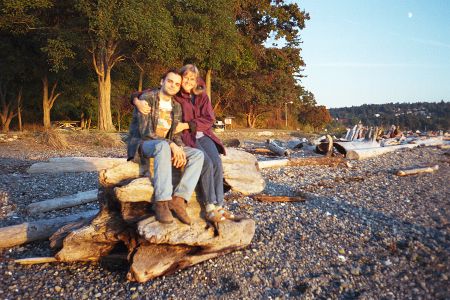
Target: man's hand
<point x="142" y="106"/>
<point x="181" y="127"/>
<point x="178" y="156"/>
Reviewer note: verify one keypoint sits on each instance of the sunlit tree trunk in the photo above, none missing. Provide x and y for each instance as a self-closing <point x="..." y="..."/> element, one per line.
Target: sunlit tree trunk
<point x="48" y="101"/>
<point x="208" y="83"/>
<point x="104" y="103"/>
<point x="141" y="80"/>
<point x="118" y="118"/>
<point x="104" y="57"/>
<point x="19" y="109"/>
<point x="6" y="109"/>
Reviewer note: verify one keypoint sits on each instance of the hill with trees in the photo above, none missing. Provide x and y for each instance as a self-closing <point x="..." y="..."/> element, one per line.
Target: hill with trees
<point x="410" y="116"/>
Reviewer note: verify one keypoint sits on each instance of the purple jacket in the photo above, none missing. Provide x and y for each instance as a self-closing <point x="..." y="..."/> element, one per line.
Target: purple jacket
<point x="200" y="117"/>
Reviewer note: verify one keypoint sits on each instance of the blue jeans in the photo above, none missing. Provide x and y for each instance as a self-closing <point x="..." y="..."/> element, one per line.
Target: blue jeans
<point x="211" y="178"/>
<point x="162" y="179"/>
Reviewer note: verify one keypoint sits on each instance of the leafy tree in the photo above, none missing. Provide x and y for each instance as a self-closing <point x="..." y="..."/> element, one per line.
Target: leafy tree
<point x="111" y="26"/>
<point x="316" y="116"/>
<point x="206" y="34"/>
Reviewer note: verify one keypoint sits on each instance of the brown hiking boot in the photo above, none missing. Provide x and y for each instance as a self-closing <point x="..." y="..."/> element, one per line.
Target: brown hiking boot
<point x="162" y="212"/>
<point x="178" y="206"/>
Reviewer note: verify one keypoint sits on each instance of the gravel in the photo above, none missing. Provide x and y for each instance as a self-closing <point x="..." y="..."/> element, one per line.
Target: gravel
<point x="362" y="233"/>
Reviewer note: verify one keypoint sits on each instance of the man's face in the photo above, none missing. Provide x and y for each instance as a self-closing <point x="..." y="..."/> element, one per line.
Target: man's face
<point x="171" y="84"/>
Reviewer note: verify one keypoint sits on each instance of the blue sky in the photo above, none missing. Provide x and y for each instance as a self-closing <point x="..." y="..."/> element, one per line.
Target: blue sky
<point x="366" y="51"/>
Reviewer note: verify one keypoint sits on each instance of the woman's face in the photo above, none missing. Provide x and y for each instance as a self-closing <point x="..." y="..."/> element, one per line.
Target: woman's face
<point x="189" y="81"/>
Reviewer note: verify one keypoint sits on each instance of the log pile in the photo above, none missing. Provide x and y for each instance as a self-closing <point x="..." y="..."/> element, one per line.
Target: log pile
<point x="125" y="221"/>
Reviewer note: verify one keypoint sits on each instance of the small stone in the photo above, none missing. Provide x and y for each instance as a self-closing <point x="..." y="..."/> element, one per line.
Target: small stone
<point x="342" y="258"/>
<point x="341" y="251"/>
<point x="135" y="296"/>
<point x="98" y="295"/>
<point x="355" y="271"/>
<point x="58" y="289"/>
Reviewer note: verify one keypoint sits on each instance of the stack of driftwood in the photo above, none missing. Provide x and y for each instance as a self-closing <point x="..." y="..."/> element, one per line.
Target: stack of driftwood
<point x="125" y="222"/>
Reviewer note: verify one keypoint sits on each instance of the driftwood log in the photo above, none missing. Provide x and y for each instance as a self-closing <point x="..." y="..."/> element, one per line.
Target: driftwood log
<point x="75" y="164"/>
<point x="275" y="148"/>
<point x="269" y="198"/>
<point x="365" y="153"/>
<point x="38" y="230"/>
<point x="369" y="152"/>
<point x="415" y="171"/>
<point x="126" y="221"/>
<point x="62" y="202"/>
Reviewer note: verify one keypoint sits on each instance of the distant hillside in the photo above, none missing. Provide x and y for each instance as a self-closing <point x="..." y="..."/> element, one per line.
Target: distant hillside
<point x="410" y="116"/>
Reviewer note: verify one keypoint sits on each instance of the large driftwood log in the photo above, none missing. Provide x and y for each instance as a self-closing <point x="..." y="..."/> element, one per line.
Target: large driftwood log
<point x="62" y="202"/>
<point x="153" y="248"/>
<point x="364" y="153"/>
<point x="75" y="164"/>
<point x="38" y="230"/>
<point x="415" y="171"/>
<point x="304" y="161"/>
<point x="272" y="146"/>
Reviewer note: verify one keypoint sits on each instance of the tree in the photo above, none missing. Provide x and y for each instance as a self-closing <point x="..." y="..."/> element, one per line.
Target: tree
<point x="315" y="116"/>
<point x="39" y="26"/>
<point x="207" y="34"/>
<point x="111" y="26"/>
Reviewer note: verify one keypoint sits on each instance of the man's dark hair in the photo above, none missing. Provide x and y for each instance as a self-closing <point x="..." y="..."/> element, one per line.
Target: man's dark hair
<point x="171" y="70"/>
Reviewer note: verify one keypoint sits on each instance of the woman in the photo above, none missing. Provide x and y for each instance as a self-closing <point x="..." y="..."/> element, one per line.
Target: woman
<point x="198" y="116"/>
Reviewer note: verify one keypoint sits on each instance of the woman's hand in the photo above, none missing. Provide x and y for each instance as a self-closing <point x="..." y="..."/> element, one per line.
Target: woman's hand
<point x="142" y="106"/>
<point x="181" y="127"/>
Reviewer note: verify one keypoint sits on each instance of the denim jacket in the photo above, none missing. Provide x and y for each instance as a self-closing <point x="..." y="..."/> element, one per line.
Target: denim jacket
<point x="143" y="127"/>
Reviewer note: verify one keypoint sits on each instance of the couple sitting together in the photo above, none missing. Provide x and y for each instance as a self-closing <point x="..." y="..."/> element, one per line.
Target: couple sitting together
<point x="173" y="124"/>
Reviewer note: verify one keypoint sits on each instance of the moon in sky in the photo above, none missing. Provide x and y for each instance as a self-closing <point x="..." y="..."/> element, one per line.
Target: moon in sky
<point x="410" y="14"/>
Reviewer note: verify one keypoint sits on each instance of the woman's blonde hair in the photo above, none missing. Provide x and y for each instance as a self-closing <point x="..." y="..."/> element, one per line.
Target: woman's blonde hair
<point x="197" y="89"/>
<point x="189" y="68"/>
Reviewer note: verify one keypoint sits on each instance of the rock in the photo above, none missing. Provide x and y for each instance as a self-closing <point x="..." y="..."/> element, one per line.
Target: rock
<point x="355" y="271"/>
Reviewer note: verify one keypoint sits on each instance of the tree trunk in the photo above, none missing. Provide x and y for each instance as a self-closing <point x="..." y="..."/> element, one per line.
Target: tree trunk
<point x="208" y="83"/>
<point x="118" y="119"/>
<point x="48" y="101"/>
<point x="45" y="103"/>
<point x="19" y="109"/>
<point x="104" y="102"/>
<point x="7" y="112"/>
<point x="141" y="80"/>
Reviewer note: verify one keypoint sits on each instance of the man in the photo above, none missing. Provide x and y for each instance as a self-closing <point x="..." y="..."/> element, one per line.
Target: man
<point x="156" y="135"/>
